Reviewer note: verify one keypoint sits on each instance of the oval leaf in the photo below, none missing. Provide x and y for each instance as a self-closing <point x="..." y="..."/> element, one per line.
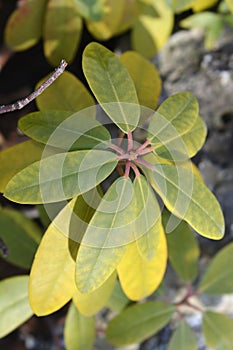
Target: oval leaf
<point x="153" y="28"/>
<point x="183" y="250"/>
<point x="217" y="279"/>
<point x="91" y="303"/>
<point x="148" y="224"/>
<point x="112" y="86"/>
<point x="183" y="338"/>
<point x="24" y="26"/>
<point x="67" y="93"/>
<point x="65" y="130"/>
<point x="62" y="31"/>
<point x="21" y="235"/>
<point x="141" y="278"/>
<point x="174" y="118"/>
<point x="104" y="242"/>
<point x="146" y="80"/>
<point x="90" y="9"/>
<point x="60" y="177"/>
<point x="218" y="330"/>
<point x="138" y="322"/>
<point x="12" y="162"/>
<point x="186" y="196"/>
<point x="79" y="330"/>
<point x="52" y="282"/>
<point x="14" y="305"/>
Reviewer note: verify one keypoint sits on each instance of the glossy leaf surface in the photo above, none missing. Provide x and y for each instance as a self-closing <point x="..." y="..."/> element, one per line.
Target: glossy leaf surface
<point x="145" y="77"/>
<point x="138" y="322"/>
<point x="217" y="278"/>
<point x="152" y="29"/>
<point x="79" y="330"/>
<point x="52" y="282"/>
<point x="91" y="303"/>
<point x="60" y="177"/>
<point x="218" y="330"/>
<point x="183" y="250"/>
<point x="67" y="93"/>
<point x="112" y="86"/>
<point x="12" y="162"/>
<point x="62" y="31"/>
<point x="189" y="199"/>
<point x="14" y="305"/>
<point x="105" y="240"/>
<point x="21" y="235"/>
<point x="24" y="26"/>
<point x="141" y="278"/>
<point x="174" y="119"/>
<point x="148" y="226"/>
<point x="65" y="130"/>
<point x="183" y="338"/>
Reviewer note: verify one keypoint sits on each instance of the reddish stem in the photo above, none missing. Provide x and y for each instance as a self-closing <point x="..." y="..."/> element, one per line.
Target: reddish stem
<point x="127" y="168"/>
<point x="144" y="145"/>
<point x="145" y="163"/>
<point x="116" y="148"/>
<point x="145" y="151"/>
<point x="135" y="169"/>
<point x="120" y="170"/>
<point x="130" y="141"/>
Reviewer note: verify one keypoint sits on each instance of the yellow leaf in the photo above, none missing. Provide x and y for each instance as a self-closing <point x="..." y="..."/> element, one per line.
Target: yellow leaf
<point x="90" y="303"/>
<point x="145" y="77"/>
<point x="139" y="278"/>
<point x="152" y="29"/>
<point x="52" y="283"/>
<point x="200" y="5"/>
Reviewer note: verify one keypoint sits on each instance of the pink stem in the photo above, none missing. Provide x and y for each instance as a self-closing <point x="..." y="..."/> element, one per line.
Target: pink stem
<point x="135" y="169"/>
<point x="145" y="151"/>
<point x="127" y="168"/>
<point x="145" y="163"/>
<point x="116" y="148"/>
<point x="144" y="145"/>
<point x="130" y="141"/>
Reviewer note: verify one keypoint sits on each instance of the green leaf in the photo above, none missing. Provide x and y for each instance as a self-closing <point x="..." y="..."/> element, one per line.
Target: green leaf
<point x="91" y="303"/>
<point x="211" y="22"/>
<point x="179" y="6"/>
<point x="21" y="235"/>
<point x="117" y="18"/>
<point x="60" y="177"/>
<point x="183" y="250"/>
<point x="112" y="86"/>
<point x="65" y="130"/>
<point x="217" y="279"/>
<point x="186" y="196"/>
<point x="90" y="9"/>
<point x="218" y="330"/>
<point x="62" y="31"/>
<point x="148" y="225"/>
<point x="152" y="29"/>
<point x="24" y="26"/>
<point x="146" y="79"/>
<point x="53" y="269"/>
<point x="67" y="93"/>
<point x="173" y="120"/>
<point x="138" y="322"/>
<point x="118" y="300"/>
<point x="14" y="305"/>
<point x="200" y="5"/>
<point x="230" y="5"/>
<point x="183" y="338"/>
<point x="108" y="232"/>
<point x="142" y="278"/>
<point x="12" y="162"/>
<point x="79" y="330"/>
